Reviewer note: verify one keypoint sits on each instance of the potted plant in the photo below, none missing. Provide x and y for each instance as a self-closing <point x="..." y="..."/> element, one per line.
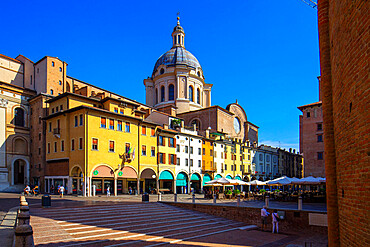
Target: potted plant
<point x="228" y="194"/>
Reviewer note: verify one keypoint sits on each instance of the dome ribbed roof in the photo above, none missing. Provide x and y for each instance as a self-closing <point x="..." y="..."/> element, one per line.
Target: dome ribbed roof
<point x="177" y="56"/>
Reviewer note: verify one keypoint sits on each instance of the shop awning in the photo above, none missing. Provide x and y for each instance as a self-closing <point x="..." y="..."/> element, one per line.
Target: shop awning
<point x="238" y="178"/>
<point x="195" y="177"/>
<point x="229" y="177"/>
<point x="206" y="178"/>
<point x="166" y="175"/>
<point x="218" y="176"/>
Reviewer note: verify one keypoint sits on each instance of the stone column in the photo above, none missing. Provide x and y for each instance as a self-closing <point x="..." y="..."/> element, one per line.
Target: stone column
<point x="115" y="186"/>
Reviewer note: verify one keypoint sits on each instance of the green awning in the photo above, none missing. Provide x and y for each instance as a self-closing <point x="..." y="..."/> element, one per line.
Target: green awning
<point x="238" y="178"/>
<point x="166" y="175"/>
<point x="218" y="176"/>
<point x="195" y="177"/>
<point x="181" y="179"/>
<point x="206" y="178"/>
<point x="229" y="177"/>
<point x="216" y="134"/>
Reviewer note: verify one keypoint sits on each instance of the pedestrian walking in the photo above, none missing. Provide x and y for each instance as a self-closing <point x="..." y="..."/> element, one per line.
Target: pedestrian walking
<point x="264" y="215"/>
<point x="61" y="191"/>
<point x="27" y="190"/>
<point x="108" y="191"/>
<point x="275" y="221"/>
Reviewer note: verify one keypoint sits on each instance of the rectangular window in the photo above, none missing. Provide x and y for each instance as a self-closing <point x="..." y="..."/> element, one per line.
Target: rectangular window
<point x="143" y="130"/>
<point x="186" y="149"/>
<point x="225" y="155"/>
<point x="225" y="167"/>
<point x="39" y="151"/>
<point x="103" y="122"/>
<point x="111" y="146"/>
<point x="241" y="158"/>
<point x="55" y="147"/>
<point x="50" y="127"/>
<point x="61" y="107"/>
<point x="57" y="109"/>
<point x="319" y="138"/>
<point x="81" y="120"/>
<point x="319" y="126"/>
<point x="115" y="109"/>
<point x="186" y="162"/>
<point x="121" y="111"/>
<point x="178" y="161"/>
<point x="127" y="149"/>
<point x="152" y="131"/>
<point x="241" y="167"/>
<point x="94" y="144"/>
<point x="161" y="140"/>
<point x="191" y="150"/>
<point x="52" y="110"/>
<point x="177" y="148"/>
<point x="308" y="114"/>
<point x="161" y="158"/>
<point x="143" y="150"/>
<point x="172" y="159"/>
<point x="80" y="143"/>
<point x="111" y="124"/>
<point x="119" y="125"/>
<point x="51" y="91"/>
<point x="211" y="152"/>
<point x="320" y="155"/>
<point x="48" y="148"/>
<point x="152" y="152"/>
<point x="232" y="168"/>
<point x="62" y="146"/>
<point x="127" y="127"/>
<point x="191" y="162"/>
<point x="204" y="151"/>
<point x="171" y="142"/>
<point x="73" y="144"/>
<point x="215" y="154"/>
<point x="199" y="163"/>
<point x="199" y="151"/>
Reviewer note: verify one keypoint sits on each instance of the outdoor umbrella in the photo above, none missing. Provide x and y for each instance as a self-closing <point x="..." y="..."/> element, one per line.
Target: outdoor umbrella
<point x="307" y="180"/>
<point x="280" y="181"/>
<point x="256" y="182"/>
<point x="223" y="181"/>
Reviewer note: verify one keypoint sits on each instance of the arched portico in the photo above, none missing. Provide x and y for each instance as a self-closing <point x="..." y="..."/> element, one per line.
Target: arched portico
<point x="148" y="181"/>
<point x="20" y="171"/>
<point x="102" y="179"/>
<point x="127" y="180"/>
<point x="166" y="181"/>
<point x="196" y="182"/>
<point x="182" y="183"/>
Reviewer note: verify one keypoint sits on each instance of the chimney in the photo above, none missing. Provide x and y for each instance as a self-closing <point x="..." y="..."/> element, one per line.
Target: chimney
<point x="194" y="127"/>
<point x="165" y="126"/>
<point x="207" y="133"/>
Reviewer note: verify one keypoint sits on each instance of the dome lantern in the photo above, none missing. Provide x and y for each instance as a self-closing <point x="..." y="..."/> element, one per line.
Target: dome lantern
<point x="178" y="35"/>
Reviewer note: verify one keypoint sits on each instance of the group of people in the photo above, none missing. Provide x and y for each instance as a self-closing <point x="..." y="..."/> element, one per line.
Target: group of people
<point x="275" y="219"/>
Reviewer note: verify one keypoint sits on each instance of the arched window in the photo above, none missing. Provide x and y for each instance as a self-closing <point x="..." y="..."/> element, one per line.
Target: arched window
<point x="161" y="71"/>
<point x="19" y="117"/>
<point x="197" y="124"/>
<point x="191" y="93"/>
<point x="162" y="94"/>
<point x="171" y="92"/>
<point x="156" y="96"/>
<point x="198" y="96"/>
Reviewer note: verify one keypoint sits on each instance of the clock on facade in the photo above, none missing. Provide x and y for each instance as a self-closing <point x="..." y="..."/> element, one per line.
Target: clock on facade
<point x="236" y="125"/>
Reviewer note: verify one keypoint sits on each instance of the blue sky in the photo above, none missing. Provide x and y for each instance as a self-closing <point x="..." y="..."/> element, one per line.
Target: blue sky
<point x="263" y="53"/>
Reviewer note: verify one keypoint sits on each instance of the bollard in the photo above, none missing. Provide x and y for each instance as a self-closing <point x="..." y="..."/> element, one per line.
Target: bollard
<point x="175" y="197"/>
<point x="23" y="218"/>
<point x="24" y="203"/>
<point x="159" y="196"/>
<point x="24" y="209"/>
<point x="238" y="201"/>
<point x="214" y="198"/>
<point x="267" y="200"/>
<point x="300" y="203"/>
<point x="193" y="198"/>
<point x="24" y="236"/>
<point x="22" y="199"/>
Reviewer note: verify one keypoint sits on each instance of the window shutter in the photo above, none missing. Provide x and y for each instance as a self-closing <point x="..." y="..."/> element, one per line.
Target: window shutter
<point x="175" y="160"/>
<point x="169" y="141"/>
<point x="158" y="158"/>
<point x="169" y="159"/>
<point x="174" y="142"/>
<point x="164" y="141"/>
<point x="164" y="158"/>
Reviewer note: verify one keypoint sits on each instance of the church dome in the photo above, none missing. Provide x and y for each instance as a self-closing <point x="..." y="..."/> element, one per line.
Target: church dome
<point x="177" y="56"/>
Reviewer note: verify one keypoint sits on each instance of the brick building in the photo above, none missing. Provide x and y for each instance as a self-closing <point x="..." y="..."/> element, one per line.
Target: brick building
<point x="311" y="141"/>
<point x="344" y="58"/>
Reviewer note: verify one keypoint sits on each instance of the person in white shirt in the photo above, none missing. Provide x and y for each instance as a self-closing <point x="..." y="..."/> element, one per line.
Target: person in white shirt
<point x="108" y="191"/>
<point x="264" y="215"/>
<point x="27" y="189"/>
<point x="275" y="221"/>
<point x="61" y="191"/>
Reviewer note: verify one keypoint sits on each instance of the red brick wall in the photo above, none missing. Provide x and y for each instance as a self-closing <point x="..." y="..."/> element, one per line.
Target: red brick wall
<point x="294" y="220"/>
<point x="344" y="41"/>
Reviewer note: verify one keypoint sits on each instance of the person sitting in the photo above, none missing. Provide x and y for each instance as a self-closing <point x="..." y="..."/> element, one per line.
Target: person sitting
<point x="27" y="190"/>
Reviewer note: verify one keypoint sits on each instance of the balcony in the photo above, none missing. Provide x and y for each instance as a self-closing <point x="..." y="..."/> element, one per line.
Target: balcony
<point x="56" y="131"/>
<point x="208" y="169"/>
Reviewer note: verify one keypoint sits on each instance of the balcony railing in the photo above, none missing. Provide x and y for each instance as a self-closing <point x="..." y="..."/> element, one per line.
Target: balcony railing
<point x="206" y="168"/>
